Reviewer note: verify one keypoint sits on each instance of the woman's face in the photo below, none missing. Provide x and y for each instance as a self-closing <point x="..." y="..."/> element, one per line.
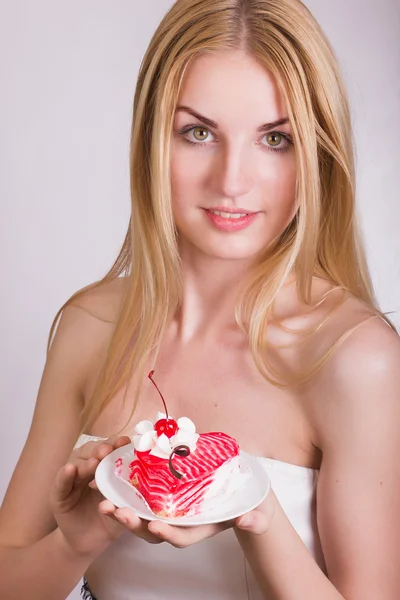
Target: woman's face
<point x="231" y="152"/>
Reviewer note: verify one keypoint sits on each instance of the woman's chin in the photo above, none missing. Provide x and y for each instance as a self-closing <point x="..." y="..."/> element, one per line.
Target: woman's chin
<point x="228" y="252"/>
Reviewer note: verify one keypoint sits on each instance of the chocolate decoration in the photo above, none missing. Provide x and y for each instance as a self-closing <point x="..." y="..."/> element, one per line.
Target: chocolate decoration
<point x="181" y="450"/>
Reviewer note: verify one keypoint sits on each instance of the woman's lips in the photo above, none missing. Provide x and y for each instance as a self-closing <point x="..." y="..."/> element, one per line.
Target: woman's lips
<point x="233" y="223"/>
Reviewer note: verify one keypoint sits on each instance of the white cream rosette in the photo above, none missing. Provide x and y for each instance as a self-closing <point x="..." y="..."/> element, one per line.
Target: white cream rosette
<point x="146" y="437"/>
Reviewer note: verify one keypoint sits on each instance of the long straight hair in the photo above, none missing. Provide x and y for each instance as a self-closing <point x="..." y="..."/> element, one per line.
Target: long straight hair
<point x="321" y="240"/>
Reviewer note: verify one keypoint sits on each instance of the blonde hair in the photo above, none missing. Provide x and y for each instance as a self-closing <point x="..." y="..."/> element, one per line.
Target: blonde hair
<point x="322" y="239"/>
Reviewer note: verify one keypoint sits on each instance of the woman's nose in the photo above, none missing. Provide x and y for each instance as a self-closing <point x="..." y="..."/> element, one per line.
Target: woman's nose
<point x="233" y="173"/>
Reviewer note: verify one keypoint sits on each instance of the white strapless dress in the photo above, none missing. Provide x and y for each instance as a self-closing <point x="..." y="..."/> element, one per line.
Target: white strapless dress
<point x="132" y="569"/>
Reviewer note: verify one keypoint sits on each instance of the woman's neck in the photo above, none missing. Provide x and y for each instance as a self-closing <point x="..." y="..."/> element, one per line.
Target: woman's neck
<point x="209" y="296"/>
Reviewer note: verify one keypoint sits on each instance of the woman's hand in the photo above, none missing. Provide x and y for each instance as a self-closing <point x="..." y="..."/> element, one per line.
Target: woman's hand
<point x="258" y="520"/>
<point x="255" y="522"/>
<point x="85" y="531"/>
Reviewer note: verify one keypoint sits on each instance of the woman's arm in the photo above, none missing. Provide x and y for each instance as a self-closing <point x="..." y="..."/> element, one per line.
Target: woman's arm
<point x="45" y="570"/>
<point x="358" y="497"/>
<point x="280" y="561"/>
<point x="34" y="562"/>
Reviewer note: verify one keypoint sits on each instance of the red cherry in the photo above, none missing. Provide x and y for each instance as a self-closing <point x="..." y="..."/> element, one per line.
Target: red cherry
<point x="167" y="426"/>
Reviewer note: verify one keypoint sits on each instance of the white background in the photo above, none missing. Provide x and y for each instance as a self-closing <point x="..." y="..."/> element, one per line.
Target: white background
<point x="67" y="75"/>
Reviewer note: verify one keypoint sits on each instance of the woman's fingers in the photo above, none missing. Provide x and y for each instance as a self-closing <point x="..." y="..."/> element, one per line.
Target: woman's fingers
<point x="182" y="537"/>
<point x="123" y="440"/>
<point x="98" y="449"/>
<point x="254" y="522"/>
<point x="130" y="520"/>
<point x="259" y="520"/>
<point x="87" y="457"/>
<point x="102" y="448"/>
<point x="64" y="482"/>
<point x="106" y="507"/>
<point x="85" y="470"/>
<point x="72" y="476"/>
<point x="67" y="488"/>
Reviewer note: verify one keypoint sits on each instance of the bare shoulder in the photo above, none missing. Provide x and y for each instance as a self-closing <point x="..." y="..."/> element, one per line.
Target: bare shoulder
<point x="368" y="348"/>
<point x="353" y="356"/>
<point x="313" y="331"/>
<point x="104" y="301"/>
<point x="369" y="352"/>
<point x="81" y="337"/>
<point x="360" y="381"/>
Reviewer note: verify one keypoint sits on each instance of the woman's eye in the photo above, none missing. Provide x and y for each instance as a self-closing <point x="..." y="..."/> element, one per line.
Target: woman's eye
<point x="274" y="139"/>
<point x="200" y="133"/>
<point x="196" y="135"/>
<point x="277" y="142"/>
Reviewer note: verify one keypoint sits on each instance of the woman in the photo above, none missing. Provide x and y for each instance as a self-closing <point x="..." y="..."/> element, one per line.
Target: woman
<point x="246" y="289"/>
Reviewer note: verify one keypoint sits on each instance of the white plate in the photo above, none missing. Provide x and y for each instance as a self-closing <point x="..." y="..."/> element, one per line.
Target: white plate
<point x="245" y="499"/>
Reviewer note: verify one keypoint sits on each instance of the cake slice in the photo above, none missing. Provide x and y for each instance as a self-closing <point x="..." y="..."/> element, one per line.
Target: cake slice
<point x="204" y="473"/>
<point x="179" y="472"/>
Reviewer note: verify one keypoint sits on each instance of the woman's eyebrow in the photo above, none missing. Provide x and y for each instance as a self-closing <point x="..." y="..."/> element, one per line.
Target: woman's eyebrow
<point x="214" y="125"/>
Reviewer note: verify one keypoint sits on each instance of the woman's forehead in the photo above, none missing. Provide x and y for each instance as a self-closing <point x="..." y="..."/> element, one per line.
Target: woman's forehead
<point x="228" y="85"/>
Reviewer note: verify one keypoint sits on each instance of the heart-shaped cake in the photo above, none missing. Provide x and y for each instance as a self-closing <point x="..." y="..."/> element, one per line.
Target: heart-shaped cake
<point x="178" y="471"/>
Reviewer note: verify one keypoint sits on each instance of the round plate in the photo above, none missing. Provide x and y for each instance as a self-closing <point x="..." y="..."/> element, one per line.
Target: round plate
<point x="245" y="499"/>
